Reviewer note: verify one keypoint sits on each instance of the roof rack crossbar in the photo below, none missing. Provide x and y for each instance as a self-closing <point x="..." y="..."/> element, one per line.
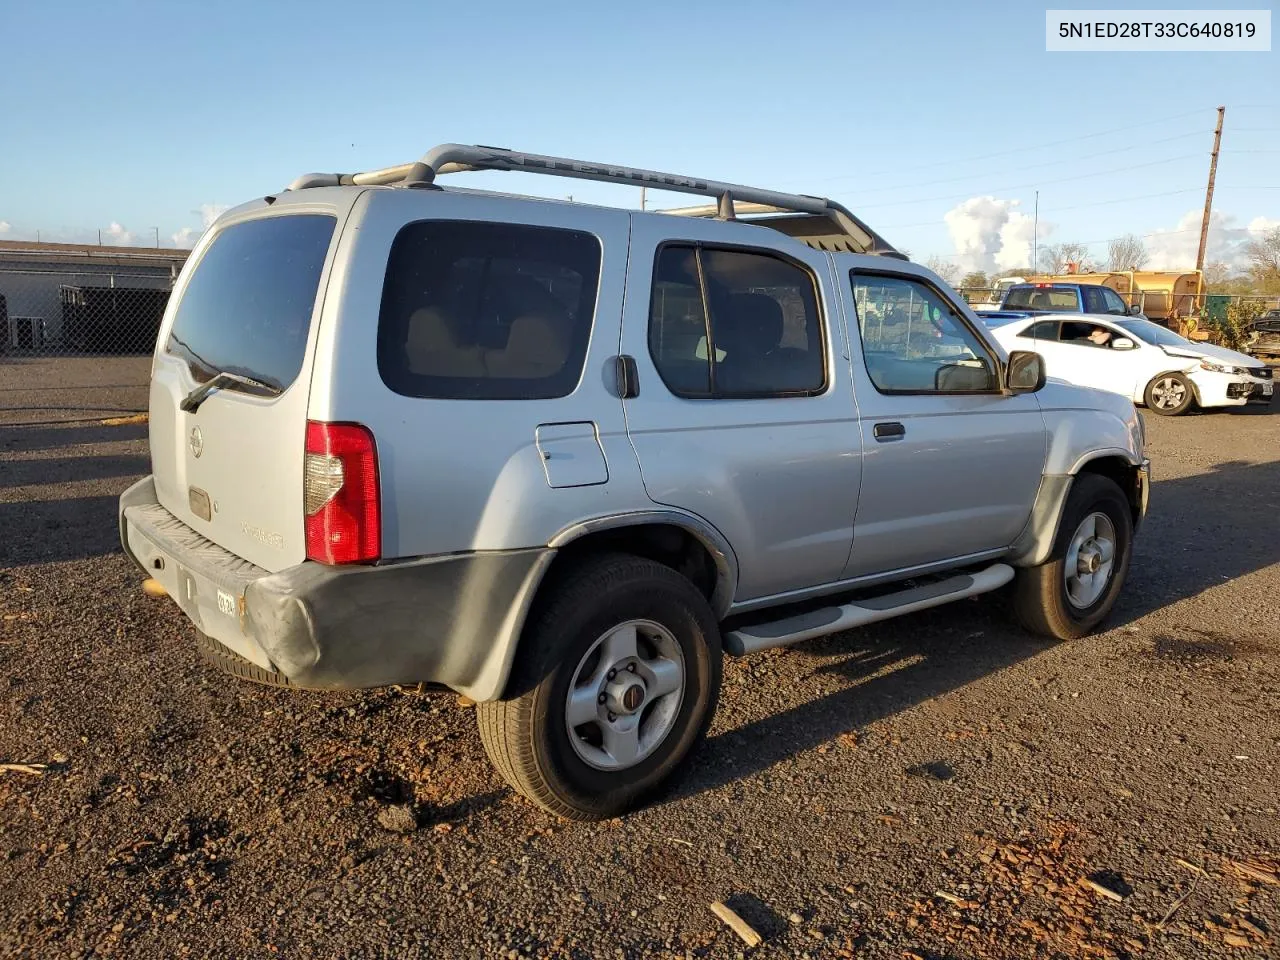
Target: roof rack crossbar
<point x="456" y="158"/>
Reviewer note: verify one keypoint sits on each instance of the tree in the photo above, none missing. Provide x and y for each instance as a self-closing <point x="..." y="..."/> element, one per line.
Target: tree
<point x="1264" y="261"/>
<point x="1055" y="257"/>
<point x="944" y="268"/>
<point x="974" y="281"/>
<point x="1127" y="253"/>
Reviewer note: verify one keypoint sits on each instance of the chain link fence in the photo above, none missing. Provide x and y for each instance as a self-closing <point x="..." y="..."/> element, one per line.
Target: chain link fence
<point x="76" y="342"/>
<point x="46" y="313"/>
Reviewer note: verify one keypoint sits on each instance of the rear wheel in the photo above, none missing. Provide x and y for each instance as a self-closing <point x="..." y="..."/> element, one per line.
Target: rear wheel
<point x="1073" y="591"/>
<point x="617" y="679"/>
<point x="1169" y="394"/>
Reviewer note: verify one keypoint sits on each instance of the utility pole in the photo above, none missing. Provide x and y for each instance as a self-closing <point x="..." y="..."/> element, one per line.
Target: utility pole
<point x="157" y="230"/>
<point x="642" y="198"/>
<point x="1208" y="195"/>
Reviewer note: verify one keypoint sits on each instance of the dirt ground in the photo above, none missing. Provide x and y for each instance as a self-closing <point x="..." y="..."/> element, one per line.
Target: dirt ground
<point x="941" y="786"/>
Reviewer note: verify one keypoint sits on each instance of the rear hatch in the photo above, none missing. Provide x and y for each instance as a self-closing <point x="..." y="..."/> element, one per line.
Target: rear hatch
<point x="232" y="468"/>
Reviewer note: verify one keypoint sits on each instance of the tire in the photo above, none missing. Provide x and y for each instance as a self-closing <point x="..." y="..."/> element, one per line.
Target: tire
<point x="573" y="636"/>
<point x="1173" y="390"/>
<point x="1042" y="599"/>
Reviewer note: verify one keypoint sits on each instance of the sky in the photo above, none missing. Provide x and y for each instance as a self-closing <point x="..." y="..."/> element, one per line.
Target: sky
<point x="935" y="122"/>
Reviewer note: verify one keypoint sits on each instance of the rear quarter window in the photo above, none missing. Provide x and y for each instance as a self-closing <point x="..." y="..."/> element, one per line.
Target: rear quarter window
<point x="487" y="311"/>
<point x="247" y="307"/>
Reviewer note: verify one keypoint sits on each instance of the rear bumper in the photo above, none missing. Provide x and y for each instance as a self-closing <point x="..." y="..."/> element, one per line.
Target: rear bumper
<point x="450" y="620"/>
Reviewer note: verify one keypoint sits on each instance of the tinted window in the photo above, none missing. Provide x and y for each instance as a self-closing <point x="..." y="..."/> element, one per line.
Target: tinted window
<point x="1078" y="333"/>
<point x="1042" y="330"/>
<point x="734" y="323"/>
<point x="1094" y="302"/>
<point x="247" y="308"/>
<point x="914" y="341"/>
<point x="1114" y="302"/>
<point x="487" y="311"/>
<point x="1042" y="298"/>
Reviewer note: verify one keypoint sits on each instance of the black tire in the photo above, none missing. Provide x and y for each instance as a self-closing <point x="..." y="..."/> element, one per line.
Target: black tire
<point x="526" y="735"/>
<point x="1163" y="383"/>
<point x="1040" y="599"/>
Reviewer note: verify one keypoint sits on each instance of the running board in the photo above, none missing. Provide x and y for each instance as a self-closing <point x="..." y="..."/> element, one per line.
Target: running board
<point x="828" y="620"/>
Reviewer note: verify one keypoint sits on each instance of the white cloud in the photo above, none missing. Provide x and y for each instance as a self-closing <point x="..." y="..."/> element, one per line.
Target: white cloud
<point x="5" y="226"/>
<point x="991" y="234"/>
<point x="1176" y="249"/>
<point x="207" y="212"/>
<point x="185" y="238"/>
<point x="116" y="235"/>
<point x="210" y="212"/>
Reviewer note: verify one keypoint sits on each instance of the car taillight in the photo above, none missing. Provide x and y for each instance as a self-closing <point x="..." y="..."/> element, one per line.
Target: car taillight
<point x="340" y="494"/>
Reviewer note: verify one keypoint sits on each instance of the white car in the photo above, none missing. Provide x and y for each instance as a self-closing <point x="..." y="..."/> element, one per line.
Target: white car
<point x="1139" y="359"/>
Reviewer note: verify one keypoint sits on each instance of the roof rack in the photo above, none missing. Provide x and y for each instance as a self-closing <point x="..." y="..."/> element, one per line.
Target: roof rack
<point x="850" y="233"/>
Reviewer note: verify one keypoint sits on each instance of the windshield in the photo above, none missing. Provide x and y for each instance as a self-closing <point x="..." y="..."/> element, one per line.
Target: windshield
<point x="1047" y="299"/>
<point x="1154" y="333"/>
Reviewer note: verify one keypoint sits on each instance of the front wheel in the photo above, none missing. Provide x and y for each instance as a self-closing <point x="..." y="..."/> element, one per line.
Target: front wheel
<point x="1073" y="591"/>
<point x="1169" y="395"/>
<point x="617" y="678"/>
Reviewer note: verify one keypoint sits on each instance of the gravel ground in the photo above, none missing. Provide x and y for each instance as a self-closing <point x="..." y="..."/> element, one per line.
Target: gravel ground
<point x="935" y="787"/>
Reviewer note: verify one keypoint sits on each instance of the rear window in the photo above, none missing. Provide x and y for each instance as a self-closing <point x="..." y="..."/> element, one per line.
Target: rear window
<point x="1042" y="298"/>
<point x="487" y="311"/>
<point x="247" y="308"/>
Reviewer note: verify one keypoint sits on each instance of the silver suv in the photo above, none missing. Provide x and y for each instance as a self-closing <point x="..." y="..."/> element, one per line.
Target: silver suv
<point x="560" y="458"/>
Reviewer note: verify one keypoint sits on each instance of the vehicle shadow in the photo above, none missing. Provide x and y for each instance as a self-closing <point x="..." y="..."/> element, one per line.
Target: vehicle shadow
<point x="40" y="472"/>
<point x="51" y="531"/>
<point x="52" y="436"/>
<point x="59" y="508"/>
<point x="1196" y="537"/>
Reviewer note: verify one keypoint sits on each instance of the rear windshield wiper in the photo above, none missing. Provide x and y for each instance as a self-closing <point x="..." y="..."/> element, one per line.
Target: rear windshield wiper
<point x="191" y="402"/>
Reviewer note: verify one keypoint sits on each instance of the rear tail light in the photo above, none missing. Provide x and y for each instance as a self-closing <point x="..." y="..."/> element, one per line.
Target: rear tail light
<point x="340" y="494"/>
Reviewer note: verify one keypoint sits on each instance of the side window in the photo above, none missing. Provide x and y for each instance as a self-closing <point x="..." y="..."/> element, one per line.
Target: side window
<point x="1115" y="304"/>
<point x="1094" y="301"/>
<point x="735" y="323"/>
<point x="1042" y="330"/>
<point x="914" y="341"/>
<point x="486" y="311"/>
<point x="1083" y="334"/>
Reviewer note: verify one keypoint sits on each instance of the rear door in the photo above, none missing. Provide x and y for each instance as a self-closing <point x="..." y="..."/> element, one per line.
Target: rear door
<point x="744" y="414"/>
<point x="232" y="468"/>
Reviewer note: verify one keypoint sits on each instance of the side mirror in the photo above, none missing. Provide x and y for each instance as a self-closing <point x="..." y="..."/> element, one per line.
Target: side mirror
<point x="1135" y="310"/>
<point x="1025" y="372"/>
<point x="963" y="378"/>
<point x="1123" y="343"/>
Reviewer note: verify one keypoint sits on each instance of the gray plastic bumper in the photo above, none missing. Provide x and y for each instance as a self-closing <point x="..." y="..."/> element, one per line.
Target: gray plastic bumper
<point x="452" y="620"/>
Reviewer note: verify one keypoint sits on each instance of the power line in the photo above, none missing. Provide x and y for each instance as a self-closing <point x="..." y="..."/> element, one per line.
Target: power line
<point x="951" y="161"/>
<point x="1037" y="183"/>
<point x="1078" y="206"/>
<point x="1031" y="166"/>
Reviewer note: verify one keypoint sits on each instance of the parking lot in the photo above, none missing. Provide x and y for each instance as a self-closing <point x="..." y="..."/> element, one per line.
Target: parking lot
<point x="940" y="786"/>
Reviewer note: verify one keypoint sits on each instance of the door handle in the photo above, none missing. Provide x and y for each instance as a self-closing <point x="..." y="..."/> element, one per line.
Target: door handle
<point x="628" y="377"/>
<point x="884" y="432"/>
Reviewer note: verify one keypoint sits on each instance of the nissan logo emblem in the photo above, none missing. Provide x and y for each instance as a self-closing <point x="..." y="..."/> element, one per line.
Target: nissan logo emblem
<point x="197" y="442"/>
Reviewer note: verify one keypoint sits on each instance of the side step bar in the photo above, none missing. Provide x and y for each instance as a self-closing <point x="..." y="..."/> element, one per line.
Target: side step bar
<point x="828" y="620"/>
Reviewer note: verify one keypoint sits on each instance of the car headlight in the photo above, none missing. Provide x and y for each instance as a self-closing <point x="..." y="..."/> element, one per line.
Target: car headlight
<point x="1216" y="367"/>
